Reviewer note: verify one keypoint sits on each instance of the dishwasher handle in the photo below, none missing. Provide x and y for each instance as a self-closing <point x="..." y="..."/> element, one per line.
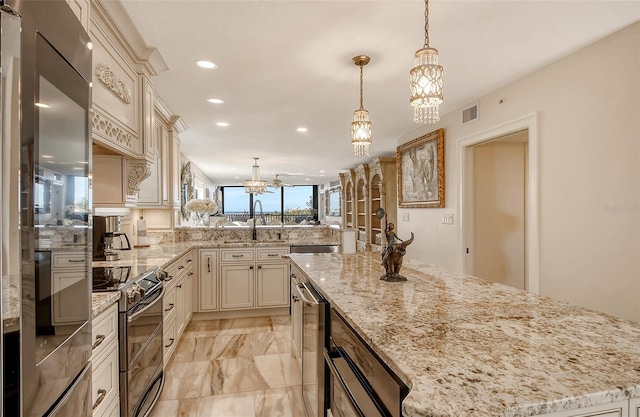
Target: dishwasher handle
<point x="302" y="288"/>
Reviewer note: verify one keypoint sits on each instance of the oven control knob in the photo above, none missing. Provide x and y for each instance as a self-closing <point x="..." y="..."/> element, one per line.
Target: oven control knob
<point x="133" y="293"/>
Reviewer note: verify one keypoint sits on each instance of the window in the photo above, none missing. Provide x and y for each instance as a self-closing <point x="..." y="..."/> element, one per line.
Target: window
<point x="286" y="205"/>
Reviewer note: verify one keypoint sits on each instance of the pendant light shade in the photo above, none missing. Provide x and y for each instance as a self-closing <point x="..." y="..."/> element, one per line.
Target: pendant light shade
<point x="255" y="185"/>
<point x="426" y="80"/>
<point x="361" y="125"/>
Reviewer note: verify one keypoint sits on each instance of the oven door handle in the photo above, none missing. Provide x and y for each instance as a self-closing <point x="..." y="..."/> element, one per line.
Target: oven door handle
<point x="364" y="401"/>
<point x="141" y="311"/>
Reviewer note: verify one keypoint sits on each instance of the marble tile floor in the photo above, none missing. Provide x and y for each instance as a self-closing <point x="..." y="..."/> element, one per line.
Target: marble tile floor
<point x="232" y="368"/>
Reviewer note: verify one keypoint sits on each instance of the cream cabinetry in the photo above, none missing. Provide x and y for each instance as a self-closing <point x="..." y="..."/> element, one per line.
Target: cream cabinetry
<point x="634" y="407"/>
<point x="382" y="194"/>
<point x="110" y="182"/>
<point x="105" y="373"/>
<point x="154" y="190"/>
<point x="175" y="169"/>
<point x="176" y="302"/>
<point x="247" y="278"/>
<point x="67" y="270"/>
<point x="208" y="279"/>
<point x="81" y="9"/>
<point x="615" y="409"/>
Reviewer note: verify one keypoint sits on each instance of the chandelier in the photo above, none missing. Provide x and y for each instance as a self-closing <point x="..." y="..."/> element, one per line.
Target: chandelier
<point x="255" y="185"/>
<point x="361" y="125"/>
<point x="425" y="80"/>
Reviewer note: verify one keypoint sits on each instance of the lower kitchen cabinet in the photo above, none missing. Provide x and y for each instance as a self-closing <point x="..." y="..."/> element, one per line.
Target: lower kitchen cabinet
<point x="273" y="285"/>
<point x="634" y="407"/>
<point x="249" y="278"/>
<point x="169" y="339"/>
<point x="616" y="409"/>
<point x="105" y="372"/>
<point x="176" y="302"/>
<point x="236" y="287"/>
<point x="208" y="279"/>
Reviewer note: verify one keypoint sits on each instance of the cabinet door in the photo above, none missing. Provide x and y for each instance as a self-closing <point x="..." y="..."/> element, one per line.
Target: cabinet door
<point x="175" y="170"/>
<point x="208" y="280"/>
<point x="105" y="377"/>
<point x="169" y="339"/>
<point x="188" y="305"/>
<point x="165" y="151"/>
<point x="236" y="287"/>
<point x="634" y="407"/>
<point x="66" y="308"/>
<point x="296" y="323"/>
<point x="180" y="316"/>
<point x="617" y="409"/>
<point x="273" y="285"/>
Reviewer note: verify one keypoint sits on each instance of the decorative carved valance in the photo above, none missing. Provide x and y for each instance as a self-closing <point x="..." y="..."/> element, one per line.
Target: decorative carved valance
<point x="138" y="172"/>
<point x="108" y="78"/>
<point x="111" y="130"/>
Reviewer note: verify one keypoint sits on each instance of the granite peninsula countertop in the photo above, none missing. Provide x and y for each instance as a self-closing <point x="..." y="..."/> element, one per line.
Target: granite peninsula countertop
<point x="469" y="347"/>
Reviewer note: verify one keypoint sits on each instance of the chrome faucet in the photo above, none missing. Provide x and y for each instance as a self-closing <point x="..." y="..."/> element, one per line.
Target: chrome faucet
<point x="254" y="232"/>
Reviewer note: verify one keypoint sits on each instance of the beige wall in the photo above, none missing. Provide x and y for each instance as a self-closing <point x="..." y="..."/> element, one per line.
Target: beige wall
<point x="588" y="112"/>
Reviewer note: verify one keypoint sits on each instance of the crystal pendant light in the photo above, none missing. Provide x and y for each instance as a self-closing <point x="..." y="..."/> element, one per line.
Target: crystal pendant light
<point x="255" y="185"/>
<point x="361" y="125"/>
<point x="425" y="80"/>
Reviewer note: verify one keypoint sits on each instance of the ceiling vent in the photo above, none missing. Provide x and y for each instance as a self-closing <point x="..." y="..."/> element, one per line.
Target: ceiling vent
<point x="470" y="114"/>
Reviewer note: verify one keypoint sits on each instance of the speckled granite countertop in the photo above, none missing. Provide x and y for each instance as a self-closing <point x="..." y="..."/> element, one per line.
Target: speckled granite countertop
<point x="468" y="347"/>
<point x="10" y="301"/>
<point x="100" y="301"/>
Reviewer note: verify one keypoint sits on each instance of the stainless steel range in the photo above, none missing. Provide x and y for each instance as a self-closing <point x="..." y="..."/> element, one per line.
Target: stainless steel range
<point x="139" y="334"/>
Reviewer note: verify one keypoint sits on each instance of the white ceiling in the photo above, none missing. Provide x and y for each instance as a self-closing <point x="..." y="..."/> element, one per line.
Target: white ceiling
<point x="286" y="64"/>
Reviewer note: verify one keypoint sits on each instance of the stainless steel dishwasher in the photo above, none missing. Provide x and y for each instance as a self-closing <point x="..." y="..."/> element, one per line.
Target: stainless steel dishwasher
<point x="309" y="320"/>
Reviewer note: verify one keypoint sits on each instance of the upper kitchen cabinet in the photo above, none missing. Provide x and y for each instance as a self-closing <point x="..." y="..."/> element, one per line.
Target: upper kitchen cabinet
<point x="162" y="188"/>
<point x="81" y="9"/>
<point x="123" y="97"/>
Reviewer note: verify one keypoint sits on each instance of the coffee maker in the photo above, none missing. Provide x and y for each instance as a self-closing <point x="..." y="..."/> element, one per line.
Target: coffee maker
<point x="108" y="240"/>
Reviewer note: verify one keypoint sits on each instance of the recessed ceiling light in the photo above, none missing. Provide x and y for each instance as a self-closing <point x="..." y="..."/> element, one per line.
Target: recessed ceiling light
<point x="206" y="64"/>
<point x="302" y="129"/>
<point x="215" y="100"/>
<point x="222" y="124"/>
<point x="46" y="156"/>
<point x="322" y="171"/>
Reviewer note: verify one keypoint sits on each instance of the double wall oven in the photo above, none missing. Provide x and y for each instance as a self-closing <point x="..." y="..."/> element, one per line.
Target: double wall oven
<point x="139" y="334"/>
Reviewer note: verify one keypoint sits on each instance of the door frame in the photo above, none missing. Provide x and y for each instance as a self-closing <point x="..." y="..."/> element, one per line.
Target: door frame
<point x="532" y="223"/>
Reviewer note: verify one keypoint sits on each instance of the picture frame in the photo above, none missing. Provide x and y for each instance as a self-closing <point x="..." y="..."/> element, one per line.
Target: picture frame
<point x="420" y="165"/>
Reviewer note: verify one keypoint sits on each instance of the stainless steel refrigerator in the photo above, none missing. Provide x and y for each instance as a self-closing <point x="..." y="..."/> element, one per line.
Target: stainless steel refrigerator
<point x="46" y="167"/>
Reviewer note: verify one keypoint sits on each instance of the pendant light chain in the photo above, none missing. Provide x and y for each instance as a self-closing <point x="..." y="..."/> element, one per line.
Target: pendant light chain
<point x="426" y="23"/>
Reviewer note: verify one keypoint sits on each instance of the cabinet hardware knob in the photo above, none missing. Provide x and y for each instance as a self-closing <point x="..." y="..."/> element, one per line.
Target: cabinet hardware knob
<point x="180" y="267"/>
<point x="101" y="394"/>
<point x="259" y="266"/>
<point x="251" y="267"/>
<point x="179" y="286"/>
<point x="170" y="307"/>
<point x="208" y="264"/>
<point x="188" y="260"/>
<point x="237" y="256"/>
<point x="170" y="342"/>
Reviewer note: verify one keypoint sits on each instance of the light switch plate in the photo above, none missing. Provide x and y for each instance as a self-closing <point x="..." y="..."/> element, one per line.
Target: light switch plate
<point x="447" y="218"/>
<point x="405" y="217"/>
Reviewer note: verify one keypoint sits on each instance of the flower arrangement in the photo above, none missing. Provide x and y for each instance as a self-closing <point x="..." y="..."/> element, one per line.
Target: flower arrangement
<point x="203" y="206"/>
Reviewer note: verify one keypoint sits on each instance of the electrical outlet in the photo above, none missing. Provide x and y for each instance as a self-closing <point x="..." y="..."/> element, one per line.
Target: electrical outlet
<point x="447" y="218"/>
<point x="405" y="217"/>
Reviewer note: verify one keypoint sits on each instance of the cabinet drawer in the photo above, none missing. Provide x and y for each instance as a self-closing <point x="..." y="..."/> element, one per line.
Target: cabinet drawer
<point x="236" y="255"/>
<point x="169" y="340"/>
<point x="68" y="259"/>
<point x="271" y="254"/>
<point x="104" y="379"/>
<point x="104" y="330"/>
<point x="113" y="410"/>
<point x="169" y="304"/>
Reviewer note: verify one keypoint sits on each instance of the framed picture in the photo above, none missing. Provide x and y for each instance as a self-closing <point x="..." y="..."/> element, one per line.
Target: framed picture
<point x="420" y="164"/>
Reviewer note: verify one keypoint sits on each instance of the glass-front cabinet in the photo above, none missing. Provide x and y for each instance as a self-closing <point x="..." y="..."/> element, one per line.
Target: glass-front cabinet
<point x="362" y="206"/>
<point x="382" y="194"/>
